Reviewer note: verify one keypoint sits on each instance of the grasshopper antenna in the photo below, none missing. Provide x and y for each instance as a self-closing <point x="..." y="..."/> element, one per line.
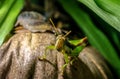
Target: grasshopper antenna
<point x="54" y="26"/>
<point x="67" y="33"/>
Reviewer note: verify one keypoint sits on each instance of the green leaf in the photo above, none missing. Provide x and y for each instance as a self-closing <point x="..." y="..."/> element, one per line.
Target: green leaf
<point x="95" y="36"/>
<point x="108" y="10"/>
<point x="5" y="7"/>
<point x="8" y="13"/>
<point x="110" y="6"/>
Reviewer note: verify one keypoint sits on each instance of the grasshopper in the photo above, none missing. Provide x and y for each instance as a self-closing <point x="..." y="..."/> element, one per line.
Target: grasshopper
<point x="62" y="47"/>
<point x="60" y="41"/>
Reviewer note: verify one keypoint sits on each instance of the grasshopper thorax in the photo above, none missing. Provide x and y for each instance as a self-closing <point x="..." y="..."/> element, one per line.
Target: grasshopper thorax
<point x="60" y="39"/>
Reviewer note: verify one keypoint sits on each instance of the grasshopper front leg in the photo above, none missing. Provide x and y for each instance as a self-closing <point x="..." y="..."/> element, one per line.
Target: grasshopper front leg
<point x="51" y="47"/>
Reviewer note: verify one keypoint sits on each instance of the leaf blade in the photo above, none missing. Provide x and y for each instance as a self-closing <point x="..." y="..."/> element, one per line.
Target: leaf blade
<point x="111" y="19"/>
<point x="8" y="23"/>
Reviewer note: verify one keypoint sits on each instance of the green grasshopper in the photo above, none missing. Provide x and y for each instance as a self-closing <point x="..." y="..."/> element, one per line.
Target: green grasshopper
<point x="61" y="46"/>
